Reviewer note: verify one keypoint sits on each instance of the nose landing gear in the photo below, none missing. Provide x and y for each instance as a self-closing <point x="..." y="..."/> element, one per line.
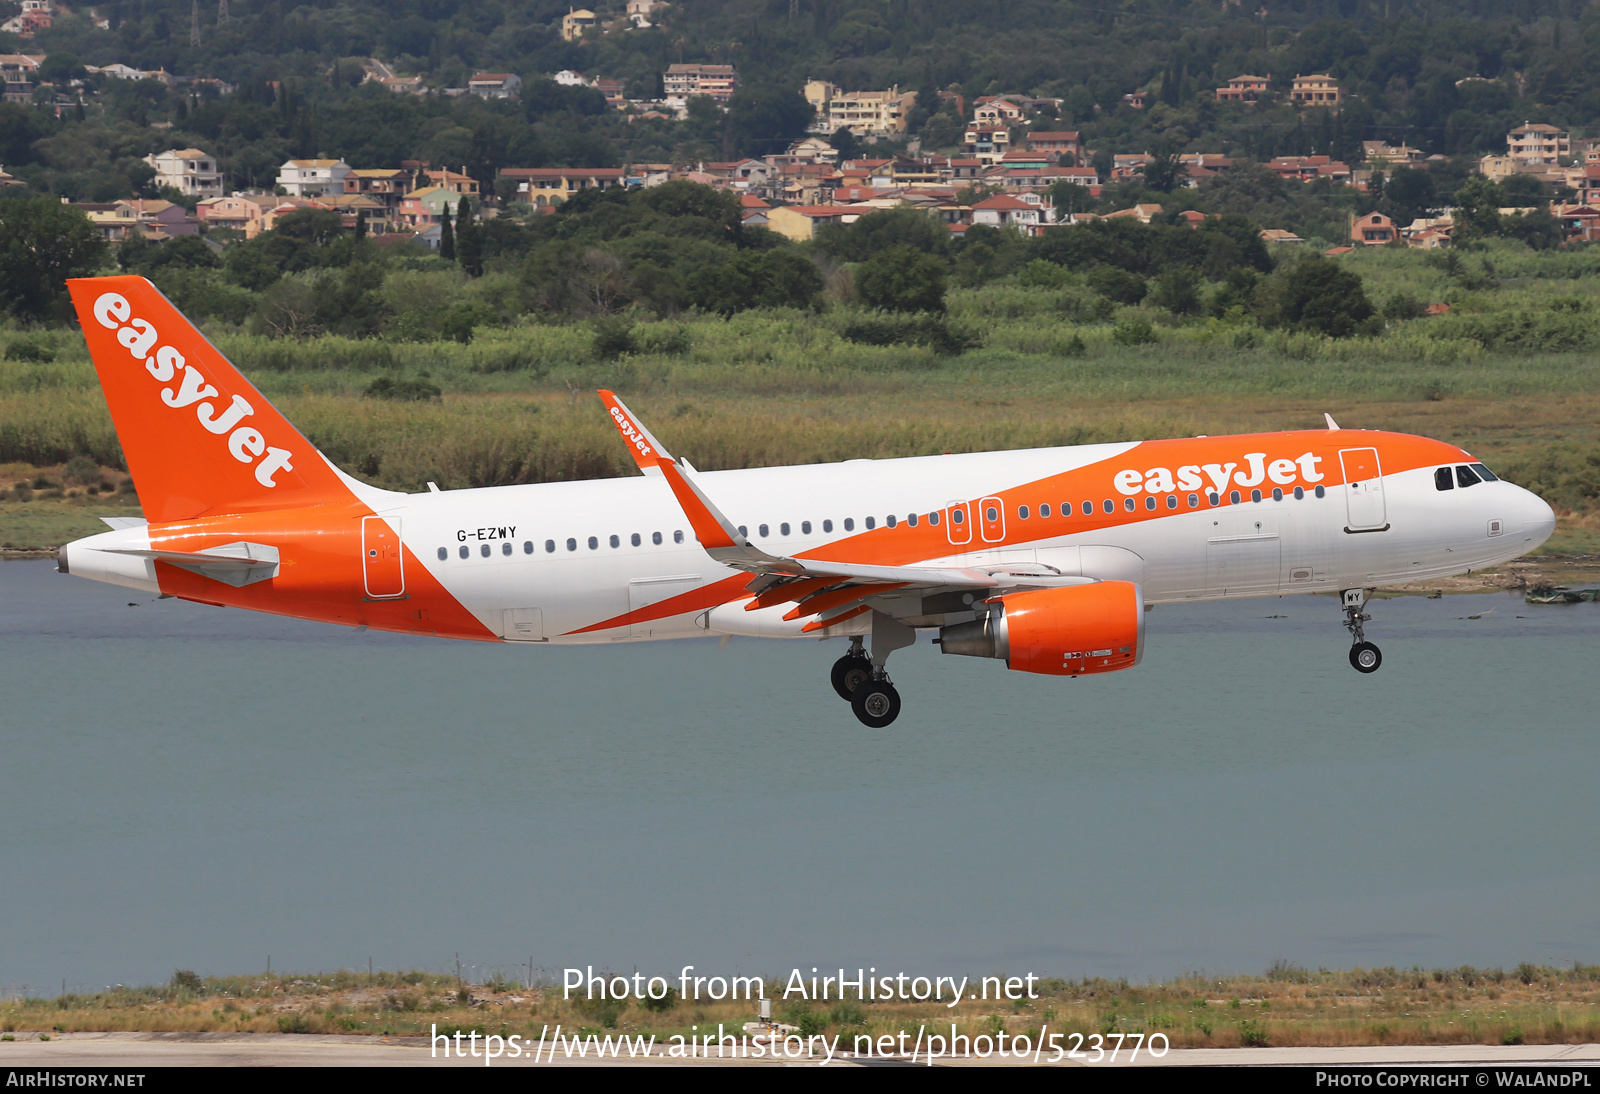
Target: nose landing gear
<point x="1364" y="656"/>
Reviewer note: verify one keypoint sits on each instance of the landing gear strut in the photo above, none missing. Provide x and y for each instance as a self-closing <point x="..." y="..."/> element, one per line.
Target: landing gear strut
<point x="1364" y="656"/>
<point x="863" y="681"/>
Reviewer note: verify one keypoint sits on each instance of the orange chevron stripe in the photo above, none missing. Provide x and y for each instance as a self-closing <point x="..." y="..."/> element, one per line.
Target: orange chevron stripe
<point x="718" y="592"/>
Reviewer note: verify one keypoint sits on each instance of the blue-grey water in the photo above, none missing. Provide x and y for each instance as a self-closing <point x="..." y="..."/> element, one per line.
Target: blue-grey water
<point x="186" y="786"/>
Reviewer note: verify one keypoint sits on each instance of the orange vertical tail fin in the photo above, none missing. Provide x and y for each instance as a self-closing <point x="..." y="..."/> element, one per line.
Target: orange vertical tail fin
<point x="198" y="437"/>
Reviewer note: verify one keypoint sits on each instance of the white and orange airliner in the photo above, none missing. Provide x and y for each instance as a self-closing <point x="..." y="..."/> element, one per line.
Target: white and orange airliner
<point x="1046" y="559"/>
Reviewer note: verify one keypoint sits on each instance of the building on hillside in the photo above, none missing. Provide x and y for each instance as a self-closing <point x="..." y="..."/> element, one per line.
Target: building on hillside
<point x="495" y="85"/>
<point x="313" y="178"/>
<point x="568" y="78"/>
<point x="189" y="171"/>
<point x="1245" y="89"/>
<point x="1136" y="100"/>
<point x="34" y="17"/>
<point x="1580" y="222"/>
<point x="240" y="212"/>
<point x="988" y="144"/>
<point x="1279" y="235"/>
<point x="1372" y="230"/>
<point x="874" y="113"/>
<point x="801" y="222"/>
<point x="1144" y="214"/>
<point x="1315" y="91"/>
<point x="683" y="82"/>
<point x="457" y="182"/>
<point x="546" y="187"/>
<point x="575" y="22"/>
<point x="819" y="93"/>
<point x="1011" y="211"/>
<point x="1384" y="154"/>
<point x="615" y="92"/>
<point x="385" y="186"/>
<point x="992" y="110"/>
<point x="1532" y="143"/>
<point x="807" y="150"/>
<point x="19" y="72"/>
<point x="1056" y="143"/>
<point x="753" y="211"/>
<point x="1310" y="168"/>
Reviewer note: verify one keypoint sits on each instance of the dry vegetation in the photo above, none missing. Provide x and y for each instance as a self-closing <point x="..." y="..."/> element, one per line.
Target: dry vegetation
<point x="1287" y="1006"/>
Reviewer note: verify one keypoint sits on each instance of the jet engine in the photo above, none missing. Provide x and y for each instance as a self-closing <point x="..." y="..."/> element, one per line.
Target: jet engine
<point x="1071" y="631"/>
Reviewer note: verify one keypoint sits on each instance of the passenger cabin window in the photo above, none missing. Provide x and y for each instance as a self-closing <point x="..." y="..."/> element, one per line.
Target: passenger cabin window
<point x="1233" y="497"/>
<point x="594" y="543"/>
<point x="827" y="526"/>
<point x="1127" y="503"/>
<point x="635" y="539"/>
<point x="527" y="547"/>
<point x="1149" y="501"/>
<point x="1044" y="511"/>
<point x="1110" y="506"/>
<point x="958" y="516"/>
<point x="763" y="531"/>
<point x="911" y="519"/>
<point x="549" y="546"/>
<point x="1172" y="501"/>
<point x="933" y="518"/>
<point x="677" y="537"/>
<point x="1443" y="479"/>
<point x="890" y="520"/>
<point x="872" y="523"/>
<point x="505" y="548"/>
<point x="991" y="514"/>
<point x="655" y="537"/>
<point x="465" y="552"/>
<point x="1022" y="512"/>
<point x="1213" y="498"/>
<point x="615" y="542"/>
<point x="572" y="545"/>
<point x="1255" y="495"/>
<point x="1277" y="493"/>
<point x="1321" y="491"/>
<point x="1466" y="477"/>
<point x="1299" y="493"/>
<point x="1088" y="509"/>
<point x="484" y="550"/>
<point x="743" y="531"/>
<point x="1194" y="501"/>
<point x="850" y="524"/>
<point x="444" y="553"/>
<point x="783" y="529"/>
<point x="805" y="528"/>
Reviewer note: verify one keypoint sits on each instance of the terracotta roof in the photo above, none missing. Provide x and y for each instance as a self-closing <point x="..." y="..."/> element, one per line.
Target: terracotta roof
<point x="1003" y="201"/>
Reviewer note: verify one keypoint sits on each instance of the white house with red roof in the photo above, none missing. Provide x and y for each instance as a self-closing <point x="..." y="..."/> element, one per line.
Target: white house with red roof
<point x="1028" y="213"/>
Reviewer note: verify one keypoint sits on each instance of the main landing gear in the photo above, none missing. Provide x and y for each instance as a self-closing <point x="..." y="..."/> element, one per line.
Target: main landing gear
<point x="1364" y="656"/>
<point x="862" y="680"/>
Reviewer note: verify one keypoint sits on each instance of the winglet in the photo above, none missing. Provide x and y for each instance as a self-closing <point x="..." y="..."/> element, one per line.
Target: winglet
<point x="648" y="452"/>
<point x="1329" y="418"/>
<point x="712" y="528"/>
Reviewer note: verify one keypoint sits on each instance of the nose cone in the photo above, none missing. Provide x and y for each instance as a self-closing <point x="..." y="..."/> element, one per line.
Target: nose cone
<point x="1537" y="520"/>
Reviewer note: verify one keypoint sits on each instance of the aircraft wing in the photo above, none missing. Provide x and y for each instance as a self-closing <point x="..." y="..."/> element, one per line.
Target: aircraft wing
<point x="832" y="591"/>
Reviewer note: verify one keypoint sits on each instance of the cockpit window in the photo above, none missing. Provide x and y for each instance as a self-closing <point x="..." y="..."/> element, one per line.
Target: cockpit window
<point x="1442" y="479"/>
<point x="1466" y="477"/>
<point x="1485" y="474"/>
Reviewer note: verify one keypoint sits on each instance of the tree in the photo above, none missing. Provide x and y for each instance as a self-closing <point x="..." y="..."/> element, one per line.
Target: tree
<point x="845" y="143"/>
<point x="42" y="243"/>
<point x="873" y="233"/>
<point x="902" y="279"/>
<point x="447" y="235"/>
<point x="1163" y="172"/>
<point x="1178" y="290"/>
<point x="764" y="119"/>
<point x="469" y="240"/>
<point x="1321" y="296"/>
<point x="1070" y="197"/>
<point x="1477" y="209"/>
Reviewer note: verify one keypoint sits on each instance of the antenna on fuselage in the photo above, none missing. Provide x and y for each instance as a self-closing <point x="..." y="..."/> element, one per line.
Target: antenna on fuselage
<point x="1329" y="419"/>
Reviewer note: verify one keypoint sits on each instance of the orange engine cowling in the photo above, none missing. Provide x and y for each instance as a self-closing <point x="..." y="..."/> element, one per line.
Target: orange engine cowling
<point x="1070" y="631"/>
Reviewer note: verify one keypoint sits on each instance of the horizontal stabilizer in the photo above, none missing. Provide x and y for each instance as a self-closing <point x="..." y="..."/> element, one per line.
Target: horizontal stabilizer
<point x="232" y="563"/>
<point x="117" y="524"/>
